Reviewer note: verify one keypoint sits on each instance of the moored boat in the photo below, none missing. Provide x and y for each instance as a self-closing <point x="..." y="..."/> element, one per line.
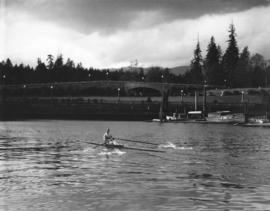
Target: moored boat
<point x="225" y="117"/>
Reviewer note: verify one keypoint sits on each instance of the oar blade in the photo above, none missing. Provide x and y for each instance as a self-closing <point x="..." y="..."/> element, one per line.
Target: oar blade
<point x="135" y="141"/>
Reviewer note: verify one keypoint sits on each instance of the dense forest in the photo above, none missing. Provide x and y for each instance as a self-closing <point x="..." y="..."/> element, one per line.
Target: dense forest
<point x="233" y="68"/>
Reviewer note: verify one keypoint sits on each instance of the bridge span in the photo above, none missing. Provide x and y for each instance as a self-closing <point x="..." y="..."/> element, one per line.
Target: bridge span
<point x="163" y="88"/>
<point x="124" y="85"/>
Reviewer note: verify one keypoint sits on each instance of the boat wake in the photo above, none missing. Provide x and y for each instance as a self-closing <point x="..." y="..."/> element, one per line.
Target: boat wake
<point x="185" y="148"/>
<point x="87" y="150"/>
<point x="170" y="145"/>
<point x="112" y="152"/>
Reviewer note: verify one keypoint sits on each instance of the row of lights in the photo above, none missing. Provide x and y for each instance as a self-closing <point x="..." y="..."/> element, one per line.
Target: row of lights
<point x="89" y="76"/>
<point x="107" y="74"/>
<point x="162" y="77"/>
<point x="118" y="90"/>
<point x="118" y="93"/>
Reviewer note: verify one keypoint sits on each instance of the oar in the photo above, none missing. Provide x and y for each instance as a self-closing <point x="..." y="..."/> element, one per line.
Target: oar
<point x="142" y="142"/>
<point x="141" y="149"/>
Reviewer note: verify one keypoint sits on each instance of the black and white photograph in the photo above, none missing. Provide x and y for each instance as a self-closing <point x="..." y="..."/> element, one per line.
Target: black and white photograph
<point x="134" y="105"/>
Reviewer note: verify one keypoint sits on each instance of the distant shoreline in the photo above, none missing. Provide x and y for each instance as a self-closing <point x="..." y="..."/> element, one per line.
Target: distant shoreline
<point x="112" y="109"/>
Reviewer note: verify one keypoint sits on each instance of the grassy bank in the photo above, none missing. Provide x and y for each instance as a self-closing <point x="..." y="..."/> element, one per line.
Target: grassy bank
<point x="123" y="108"/>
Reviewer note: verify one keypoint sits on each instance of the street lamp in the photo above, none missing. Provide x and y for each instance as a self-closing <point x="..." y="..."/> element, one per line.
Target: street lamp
<point x="4" y="90"/>
<point x="89" y="76"/>
<point x="182" y="92"/>
<point x="51" y="87"/>
<point x="225" y="83"/>
<point x="4" y="78"/>
<point x="118" y="94"/>
<point x="242" y="98"/>
<point x="204" y="98"/>
<point x="24" y="86"/>
<point x="107" y="75"/>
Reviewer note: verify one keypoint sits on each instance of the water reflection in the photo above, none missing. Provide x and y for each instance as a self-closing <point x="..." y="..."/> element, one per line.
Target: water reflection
<point x="48" y="165"/>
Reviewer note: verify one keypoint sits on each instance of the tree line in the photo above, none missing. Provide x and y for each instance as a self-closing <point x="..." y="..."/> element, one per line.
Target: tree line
<point x="57" y="70"/>
<point x="231" y="69"/>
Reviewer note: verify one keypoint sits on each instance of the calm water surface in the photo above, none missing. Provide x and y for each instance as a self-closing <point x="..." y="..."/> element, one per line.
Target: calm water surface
<point x="50" y="165"/>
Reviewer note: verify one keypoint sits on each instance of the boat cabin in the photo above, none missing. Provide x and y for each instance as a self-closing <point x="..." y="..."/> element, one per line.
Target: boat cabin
<point x="176" y="116"/>
<point x="195" y="115"/>
<point x="224" y="113"/>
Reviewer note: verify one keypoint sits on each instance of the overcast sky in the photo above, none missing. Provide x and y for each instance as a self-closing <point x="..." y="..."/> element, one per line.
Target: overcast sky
<point x="111" y="33"/>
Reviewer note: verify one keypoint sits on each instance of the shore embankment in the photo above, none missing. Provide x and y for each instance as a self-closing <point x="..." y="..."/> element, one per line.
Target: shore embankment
<point x="117" y="108"/>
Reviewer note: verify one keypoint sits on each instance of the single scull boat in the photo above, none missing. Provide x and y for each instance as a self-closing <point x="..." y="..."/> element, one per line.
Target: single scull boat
<point x="120" y="146"/>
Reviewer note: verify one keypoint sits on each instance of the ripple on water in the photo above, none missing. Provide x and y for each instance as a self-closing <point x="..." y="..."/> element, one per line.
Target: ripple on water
<point x="48" y="165"/>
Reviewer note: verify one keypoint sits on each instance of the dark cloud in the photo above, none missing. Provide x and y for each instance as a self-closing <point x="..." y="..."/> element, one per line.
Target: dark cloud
<point x="109" y="15"/>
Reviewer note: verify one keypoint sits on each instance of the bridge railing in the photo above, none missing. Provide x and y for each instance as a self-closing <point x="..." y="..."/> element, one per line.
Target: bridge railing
<point x="34" y="85"/>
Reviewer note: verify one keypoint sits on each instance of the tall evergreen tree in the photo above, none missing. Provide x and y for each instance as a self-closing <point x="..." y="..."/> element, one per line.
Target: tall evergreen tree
<point x="258" y="64"/>
<point x="213" y="70"/>
<point x="69" y="68"/>
<point x="42" y="75"/>
<point x="258" y="60"/>
<point x="231" y="56"/>
<point x="219" y="53"/>
<point x="243" y="71"/>
<point x="268" y="75"/>
<point x="196" y="67"/>
<point x="58" y="69"/>
<point x="58" y="62"/>
<point x="50" y="60"/>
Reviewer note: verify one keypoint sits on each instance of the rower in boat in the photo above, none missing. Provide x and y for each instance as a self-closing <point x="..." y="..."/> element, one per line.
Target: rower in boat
<point x="109" y="141"/>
